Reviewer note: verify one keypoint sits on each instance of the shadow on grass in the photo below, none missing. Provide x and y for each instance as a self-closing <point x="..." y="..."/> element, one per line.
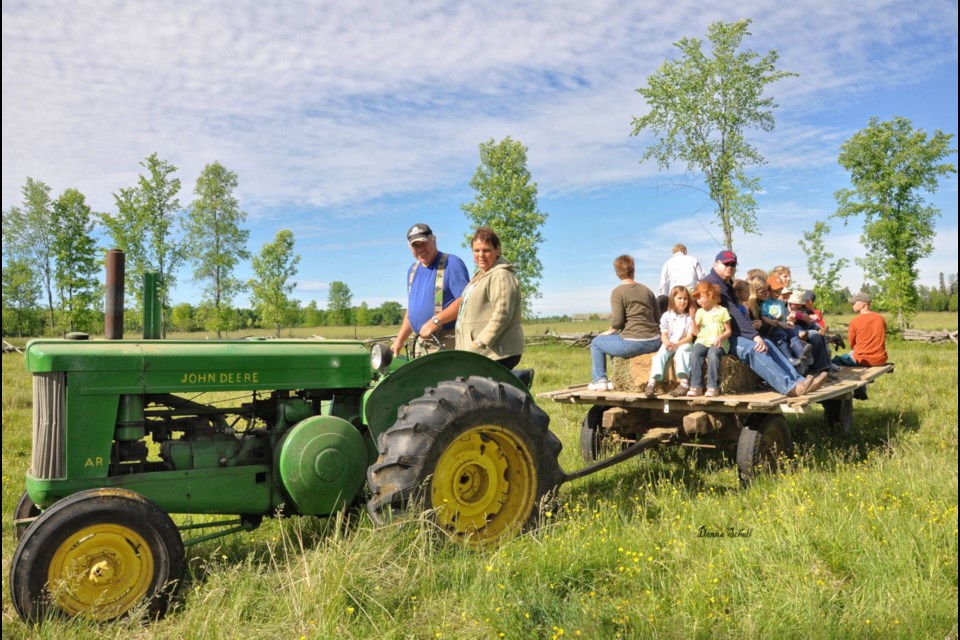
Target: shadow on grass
<point x="873" y="429"/>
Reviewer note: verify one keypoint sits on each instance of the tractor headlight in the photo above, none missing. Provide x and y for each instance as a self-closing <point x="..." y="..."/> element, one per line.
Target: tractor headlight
<point x="380" y="357"/>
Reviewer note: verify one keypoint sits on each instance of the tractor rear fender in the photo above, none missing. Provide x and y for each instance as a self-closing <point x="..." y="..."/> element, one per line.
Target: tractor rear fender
<point x="413" y="378"/>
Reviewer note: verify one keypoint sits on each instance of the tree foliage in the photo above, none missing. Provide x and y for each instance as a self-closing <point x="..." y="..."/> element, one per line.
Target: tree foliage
<point x="30" y="233"/>
<point x="21" y="288"/>
<point x="890" y="164"/>
<point x="825" y="274"/>
<point x="506" y="201"/>
<point x="78" y="262"/>
<point x="142" y="228"/>
<point x="272" y="285"/>
<point x="215" y="242"/>
<point x="339" y="300"/>
<point x="701" y="107"/>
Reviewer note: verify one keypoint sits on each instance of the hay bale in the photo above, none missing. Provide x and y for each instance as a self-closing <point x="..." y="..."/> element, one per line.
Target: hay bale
<point x="736" y="376"/>
<point x="631" y="375"/>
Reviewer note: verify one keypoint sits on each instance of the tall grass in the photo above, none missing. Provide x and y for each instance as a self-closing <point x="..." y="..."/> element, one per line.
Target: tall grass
<point x="857" y="538"/>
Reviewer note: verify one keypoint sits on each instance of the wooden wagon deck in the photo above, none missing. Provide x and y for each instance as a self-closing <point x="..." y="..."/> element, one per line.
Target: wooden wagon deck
<point x="848" y="380"/>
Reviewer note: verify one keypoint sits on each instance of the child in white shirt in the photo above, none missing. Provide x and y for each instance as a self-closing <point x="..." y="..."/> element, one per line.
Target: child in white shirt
<point x="676" y="334"/>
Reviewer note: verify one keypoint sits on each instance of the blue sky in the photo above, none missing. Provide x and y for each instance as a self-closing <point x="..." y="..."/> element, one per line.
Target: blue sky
<point x="347" y="122"/>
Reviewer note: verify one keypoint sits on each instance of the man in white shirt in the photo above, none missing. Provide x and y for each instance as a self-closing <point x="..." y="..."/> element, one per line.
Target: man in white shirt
<point x="680" y="269"/>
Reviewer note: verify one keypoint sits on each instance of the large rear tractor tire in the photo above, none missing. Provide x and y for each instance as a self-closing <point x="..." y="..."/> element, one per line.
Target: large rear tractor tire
<point x="760" y="446"/>
<point x="477" y="454"/>
<point x="97" y="554"/>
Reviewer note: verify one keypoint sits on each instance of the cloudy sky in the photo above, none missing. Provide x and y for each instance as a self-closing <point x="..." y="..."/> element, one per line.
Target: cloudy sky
<point x="347" y="122"/>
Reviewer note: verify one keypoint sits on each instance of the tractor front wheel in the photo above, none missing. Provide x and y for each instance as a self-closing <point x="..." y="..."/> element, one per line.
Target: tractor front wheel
<point x="96" y="554"/>
<point x="23" y="515"/>
<point x="475" y="453"/>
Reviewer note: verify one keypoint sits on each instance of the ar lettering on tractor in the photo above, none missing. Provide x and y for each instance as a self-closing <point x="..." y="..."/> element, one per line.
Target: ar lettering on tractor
<point x="94" y="462"/>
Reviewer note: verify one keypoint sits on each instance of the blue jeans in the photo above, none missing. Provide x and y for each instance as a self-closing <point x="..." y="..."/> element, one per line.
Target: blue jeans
<point x="820" y="352"/>
<point x="712" y="355"/>
<point x="845" y="360"/>
<point x="614" y="345"/>
<point x="789" y="338"/>
<point x="772" y="366"/>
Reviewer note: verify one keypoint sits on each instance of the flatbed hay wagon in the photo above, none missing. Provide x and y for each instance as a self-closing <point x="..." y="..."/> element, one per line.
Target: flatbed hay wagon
<point x="750" y="425"/>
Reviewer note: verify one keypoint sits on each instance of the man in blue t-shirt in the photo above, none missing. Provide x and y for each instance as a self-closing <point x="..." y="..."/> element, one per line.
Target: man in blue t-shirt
<point x="434" y="285"/>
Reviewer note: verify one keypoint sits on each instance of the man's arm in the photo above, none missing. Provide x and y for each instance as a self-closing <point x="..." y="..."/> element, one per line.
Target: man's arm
<point x="405" y="331"/>
<point x="448" y="314"/>
<point x="664" y="281"/>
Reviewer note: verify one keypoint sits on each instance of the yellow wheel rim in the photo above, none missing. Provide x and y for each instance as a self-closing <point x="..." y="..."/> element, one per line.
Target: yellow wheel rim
<point x="484" y="485"/>
<point x="101" y="571"/>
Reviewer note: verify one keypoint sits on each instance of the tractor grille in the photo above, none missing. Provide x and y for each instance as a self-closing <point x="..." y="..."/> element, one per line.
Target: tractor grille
<point x="49" y="426"/>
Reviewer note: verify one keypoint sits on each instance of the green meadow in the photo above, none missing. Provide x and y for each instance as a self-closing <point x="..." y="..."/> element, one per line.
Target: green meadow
<point x="856" y="538"/>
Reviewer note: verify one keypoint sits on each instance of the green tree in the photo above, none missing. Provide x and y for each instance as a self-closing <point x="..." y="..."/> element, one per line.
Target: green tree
<point x="391" y="312"/>
<point x="21" y="288"/>
<point x="215" y="242"/>
<point x="78" y="261"/>
<point x="312" y="315"/>
<point x="506" y="201"/>
<point x="270" y="290"/>
<point x="701" y="107"/>
<point x="30" y="233"/>
<point x="142" y="228"/>
<point x="181" y="317"/>
<point x="339" y="300"/>
<point x="890" y="164"/>
<point x="825" y="274"/>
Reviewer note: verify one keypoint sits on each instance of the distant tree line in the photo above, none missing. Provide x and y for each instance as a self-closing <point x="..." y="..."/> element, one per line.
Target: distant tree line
<point x="52" y="263"/>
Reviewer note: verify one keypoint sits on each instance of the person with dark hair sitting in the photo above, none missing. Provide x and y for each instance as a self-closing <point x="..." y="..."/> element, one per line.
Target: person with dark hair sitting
<point x="747" y="344"/>
<point x="634" y="324"/>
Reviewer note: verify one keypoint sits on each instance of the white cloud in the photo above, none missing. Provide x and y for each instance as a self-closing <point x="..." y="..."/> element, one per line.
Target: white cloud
<point x="345" y="115"/>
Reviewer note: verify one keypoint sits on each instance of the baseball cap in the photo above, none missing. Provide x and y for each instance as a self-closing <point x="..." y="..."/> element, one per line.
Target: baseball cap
<point x="860" y="297"/>
<point x="795" y="298"/>
<point x="726" y="257"/>
<point x="809" y="296"/>
<point x="774" y="283"/>
<point x="419" y="233"/>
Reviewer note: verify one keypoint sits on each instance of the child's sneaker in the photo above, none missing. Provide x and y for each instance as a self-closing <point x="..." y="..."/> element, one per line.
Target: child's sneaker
<point x="680" y="391"/>
<point x="712" y="393"/>
<point x="650" y="391"/>
<point x="695" y="392"/>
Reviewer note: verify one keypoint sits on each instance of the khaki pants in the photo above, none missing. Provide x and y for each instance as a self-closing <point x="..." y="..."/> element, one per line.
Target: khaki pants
<point x="448" y="340"/>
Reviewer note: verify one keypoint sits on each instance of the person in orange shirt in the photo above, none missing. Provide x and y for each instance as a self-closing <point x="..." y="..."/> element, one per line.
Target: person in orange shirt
<point x="867" y="336"/>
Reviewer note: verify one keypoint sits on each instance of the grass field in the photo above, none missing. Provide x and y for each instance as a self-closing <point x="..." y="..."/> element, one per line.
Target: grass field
<point x="858" y="538"/>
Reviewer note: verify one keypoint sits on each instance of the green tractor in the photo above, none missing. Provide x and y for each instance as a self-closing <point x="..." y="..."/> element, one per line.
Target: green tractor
<point x="127" y="432"/>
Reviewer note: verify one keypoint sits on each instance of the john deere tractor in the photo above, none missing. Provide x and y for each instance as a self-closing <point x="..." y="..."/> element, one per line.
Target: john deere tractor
<point x="127" y="433"/>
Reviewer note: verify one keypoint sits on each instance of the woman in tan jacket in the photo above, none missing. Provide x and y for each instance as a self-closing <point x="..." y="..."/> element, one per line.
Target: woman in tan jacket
<point x="490" y="309"/>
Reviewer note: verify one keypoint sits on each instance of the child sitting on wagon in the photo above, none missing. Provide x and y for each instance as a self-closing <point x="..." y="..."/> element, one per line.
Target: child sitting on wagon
<point x="780" y="330"/>
<point x="676" y="334"/>
<point x="711" y="326"/>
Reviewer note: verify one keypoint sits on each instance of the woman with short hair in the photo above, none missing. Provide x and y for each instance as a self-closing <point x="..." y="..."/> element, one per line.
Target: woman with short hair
<point x="634" y="324"/>
<point x="490" y="311"/>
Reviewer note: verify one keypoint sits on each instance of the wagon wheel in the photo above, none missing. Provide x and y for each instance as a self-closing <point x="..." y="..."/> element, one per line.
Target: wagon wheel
<point x="759" y="447"/>
<point x="97" y="554"/>
<point x="838" y="414"/>
<point x="592" y="434"/>
<point x="23" y="515"/>
<point x="475" y="453"/>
